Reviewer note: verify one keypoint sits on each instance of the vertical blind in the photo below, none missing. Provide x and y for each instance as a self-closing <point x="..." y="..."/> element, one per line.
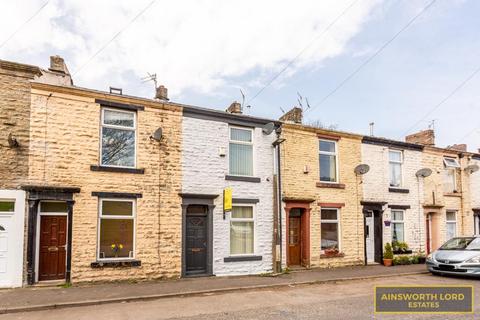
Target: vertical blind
<point x="241" y="152"/>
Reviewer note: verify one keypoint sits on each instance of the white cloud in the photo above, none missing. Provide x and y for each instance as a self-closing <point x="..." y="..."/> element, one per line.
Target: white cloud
<point x="192" y="44"/>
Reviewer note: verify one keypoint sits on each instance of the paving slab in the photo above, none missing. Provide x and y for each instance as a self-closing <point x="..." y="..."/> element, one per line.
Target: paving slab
<point x="41" y="298"/>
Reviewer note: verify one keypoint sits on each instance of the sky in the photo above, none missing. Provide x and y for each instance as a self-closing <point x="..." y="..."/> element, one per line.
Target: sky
<point x="337" y="54"/>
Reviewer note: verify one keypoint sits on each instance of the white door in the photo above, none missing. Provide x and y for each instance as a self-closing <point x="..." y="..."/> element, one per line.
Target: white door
<point x="12" y="213"/>
<point x="370" y="237"/>
<point x="476" y="218"/>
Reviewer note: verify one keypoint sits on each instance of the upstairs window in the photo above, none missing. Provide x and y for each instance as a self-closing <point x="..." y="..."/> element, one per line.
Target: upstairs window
<point x="395" y="160"/>
<point x="118" y="138"/>
<point x="241" y="152"/>
<point x="328" y="161"/>
<point x="449" y="175"/>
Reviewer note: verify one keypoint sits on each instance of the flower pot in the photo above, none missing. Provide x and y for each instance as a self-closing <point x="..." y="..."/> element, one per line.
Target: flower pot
<point x="387" y="262"/>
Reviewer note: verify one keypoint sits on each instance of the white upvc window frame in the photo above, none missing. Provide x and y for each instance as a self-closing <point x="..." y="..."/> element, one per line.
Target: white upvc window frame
<point x="451" y="164"/>
<point x="253" y="219"/>
<point x="339" y="227"/>
<point x="390" y="162"/>
<point x="117" y="217"/>
<point x="454" y="222"/>
<point x="320" y="152"/>
<point x="251" y="143"/>
<point x="103" y="125"/>
<point x="394" y="221"/>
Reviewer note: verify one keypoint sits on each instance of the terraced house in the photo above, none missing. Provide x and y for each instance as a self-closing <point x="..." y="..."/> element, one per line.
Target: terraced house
<point x="227" y="151"/>
<point x="392" y="195"/>
<point x="447" y="198"/>
<point x="322" y="219"/>
<point x="14" y="159"/>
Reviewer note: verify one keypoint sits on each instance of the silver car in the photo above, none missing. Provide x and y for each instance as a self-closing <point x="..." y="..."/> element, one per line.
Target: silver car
<point x="458" y="256"/>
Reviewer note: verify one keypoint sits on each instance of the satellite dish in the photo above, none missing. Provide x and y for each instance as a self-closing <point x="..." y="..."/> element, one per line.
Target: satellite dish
<point x="361" y="169"/>
<point x="157" y="135"/>
<point x="472" y="168"/>
<point x="268" y="128"/>
<point x="423" y="173"/>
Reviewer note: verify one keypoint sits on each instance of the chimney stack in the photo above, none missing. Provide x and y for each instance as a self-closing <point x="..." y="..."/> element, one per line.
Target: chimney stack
<point x="458" y="147"/>
<point x="161" y="93"/>
<point x="425" y="137"/>
<point x="295" y="115"/>
<point x="57" y="64"/>
<point x="235" y="107"/>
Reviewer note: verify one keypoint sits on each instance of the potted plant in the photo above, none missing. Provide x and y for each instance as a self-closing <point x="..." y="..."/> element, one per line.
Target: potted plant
<point x="421" y="257"/>
<point x="388" y="255"/>
<point x="332" y="251"/>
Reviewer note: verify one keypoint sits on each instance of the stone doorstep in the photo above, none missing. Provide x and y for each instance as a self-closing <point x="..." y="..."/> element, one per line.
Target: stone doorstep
<point x="40" y="307"/>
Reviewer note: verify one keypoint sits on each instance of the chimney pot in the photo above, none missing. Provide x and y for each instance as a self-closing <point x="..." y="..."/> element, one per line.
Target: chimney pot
<point x="295" y="115"/>
<point x="161" y="93"/>
<point x="459" y="147"/>
<point x="235" y="107"/>
<point x="57" y="64"/>
<point x="425" y="137"/>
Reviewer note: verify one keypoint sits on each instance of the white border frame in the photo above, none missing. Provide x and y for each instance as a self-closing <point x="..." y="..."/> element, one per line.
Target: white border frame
<point x="392" y="221"/>
<point x="447" y="222"/>
<point x="402" y="161"/>
<point x="336" y="154"/>
<point x="252" y="143"/>
<point x="37" y="238"/>
<point x="132" y="217"/>
<point x="253" y="219"/>
<point x="134" y="129"/>
<point x="337" y="221"/>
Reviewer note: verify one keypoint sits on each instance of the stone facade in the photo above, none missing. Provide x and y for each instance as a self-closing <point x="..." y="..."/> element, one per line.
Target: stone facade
<point x="376" y="188"/>
<point x="205" y="165"/>
<point x="14" y="121"/>
<point x="64" y="144"/>
<point x="301" y="183"/>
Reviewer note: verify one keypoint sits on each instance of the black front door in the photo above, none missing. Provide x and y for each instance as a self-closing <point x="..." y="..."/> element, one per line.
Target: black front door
<point x="196" y="243"/>
<point x="377" y="219"/>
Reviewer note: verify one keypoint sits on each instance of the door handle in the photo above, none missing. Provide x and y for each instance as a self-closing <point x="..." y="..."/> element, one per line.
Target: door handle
<point x="52" y="248"/>
<point x="196" y="249"/>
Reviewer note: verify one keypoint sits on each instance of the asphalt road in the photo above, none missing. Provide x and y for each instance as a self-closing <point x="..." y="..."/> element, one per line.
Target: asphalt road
<point x="343" y="300"/>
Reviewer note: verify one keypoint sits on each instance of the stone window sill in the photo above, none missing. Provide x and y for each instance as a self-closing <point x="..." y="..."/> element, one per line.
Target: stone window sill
<point x="242" y="258"/>
<point x="242" y="178"/>
<point x="115" y="169"/>
<point x="115" y="263"/>
<point x="332" y="255"/>
<point x="398" y="190"/>
<point x="455" y="194"/>
<point x="330" y="185"/>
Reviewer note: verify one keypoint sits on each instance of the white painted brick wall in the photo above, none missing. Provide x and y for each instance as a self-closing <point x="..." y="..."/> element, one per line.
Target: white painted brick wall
<point x="475" y="186"/>
<point x="375" y="188"/>
<point x="204" y="172"/>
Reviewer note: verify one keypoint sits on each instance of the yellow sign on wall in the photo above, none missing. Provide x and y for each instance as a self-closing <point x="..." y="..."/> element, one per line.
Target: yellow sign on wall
<point x="227" y="199"/>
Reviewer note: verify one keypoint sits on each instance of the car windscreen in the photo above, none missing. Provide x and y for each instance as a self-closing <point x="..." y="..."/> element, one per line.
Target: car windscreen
<point x="458" y="243"/>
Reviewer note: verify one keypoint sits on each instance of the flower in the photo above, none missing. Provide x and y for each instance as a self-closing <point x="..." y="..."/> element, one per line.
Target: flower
<point x="120" y="246"/>
<point x="113" y="246"/>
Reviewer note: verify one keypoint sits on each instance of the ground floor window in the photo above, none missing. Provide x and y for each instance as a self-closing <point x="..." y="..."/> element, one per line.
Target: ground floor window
<point x="242" y="230"/>
<point x="398" y="234"/>
<point x="329" y="229"/>
<point x="451" y="224"/>
<point x="117" y="229"/>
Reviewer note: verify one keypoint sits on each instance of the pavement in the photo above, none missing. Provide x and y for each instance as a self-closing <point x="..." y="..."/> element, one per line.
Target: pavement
<point x="45" y="298"/>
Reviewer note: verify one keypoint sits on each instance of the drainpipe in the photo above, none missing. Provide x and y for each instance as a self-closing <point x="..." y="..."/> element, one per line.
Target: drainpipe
<point x="279" y="242"/>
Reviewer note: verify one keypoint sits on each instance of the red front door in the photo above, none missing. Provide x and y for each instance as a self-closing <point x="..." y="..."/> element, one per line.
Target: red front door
<point x="53" y="240"/>
<point x="294" y="241"/>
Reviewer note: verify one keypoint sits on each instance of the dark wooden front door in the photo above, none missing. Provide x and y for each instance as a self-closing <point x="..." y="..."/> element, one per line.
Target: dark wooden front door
<point x="377" y="221"/>
<point x="196" y="246"/>
<point x="294" y="241"/>
<point x="53" y="240"/>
